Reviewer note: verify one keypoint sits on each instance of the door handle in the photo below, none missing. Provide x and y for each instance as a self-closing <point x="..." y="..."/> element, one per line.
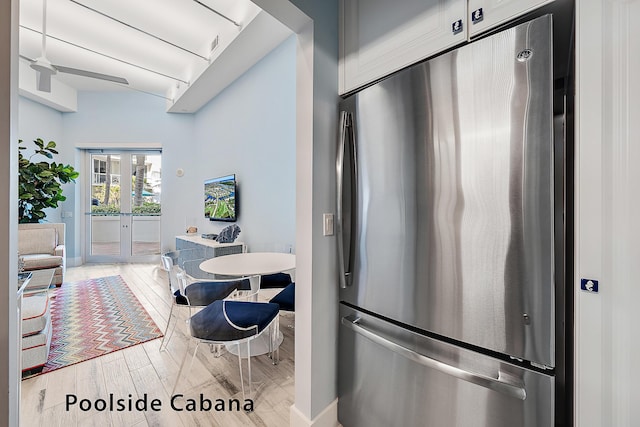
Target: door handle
<point x="512" y="390"/>
<point x="345" y="237"/>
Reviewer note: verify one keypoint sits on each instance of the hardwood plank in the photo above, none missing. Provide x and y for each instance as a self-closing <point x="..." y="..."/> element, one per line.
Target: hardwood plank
<point x="118" y="382"/>
<point x="110" y="357"/>
<point x="57" y="416"/>
<point x="33" y="394"/>
<point x="165" y="364"/>
<point x="60" y="383"/>
<point x="90" y="385"/>
<point x="161" y="360"/>
<point x="135" y="357"/>
<point x="95" y="419"/>
<point x="146" y="381"/>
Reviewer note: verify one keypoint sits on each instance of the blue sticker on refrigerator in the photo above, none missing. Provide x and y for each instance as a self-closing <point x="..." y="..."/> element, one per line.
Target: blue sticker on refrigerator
<point x="589" y="285"/>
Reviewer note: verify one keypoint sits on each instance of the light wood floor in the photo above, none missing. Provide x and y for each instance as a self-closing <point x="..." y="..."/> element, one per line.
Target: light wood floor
<point x="143" y="369"/>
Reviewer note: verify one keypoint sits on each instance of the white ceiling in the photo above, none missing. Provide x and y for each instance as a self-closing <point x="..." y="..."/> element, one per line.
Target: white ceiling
<point x="166" y="52"/>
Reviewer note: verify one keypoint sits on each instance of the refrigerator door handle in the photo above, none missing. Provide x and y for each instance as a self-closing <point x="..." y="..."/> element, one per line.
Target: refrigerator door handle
<point x="344" y="230"/>
<point x="494" y="384"/>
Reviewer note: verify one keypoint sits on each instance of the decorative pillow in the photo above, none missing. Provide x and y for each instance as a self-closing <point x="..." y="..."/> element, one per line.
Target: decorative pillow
<point x="228" y="234"/>
<point x="36" y="241"/>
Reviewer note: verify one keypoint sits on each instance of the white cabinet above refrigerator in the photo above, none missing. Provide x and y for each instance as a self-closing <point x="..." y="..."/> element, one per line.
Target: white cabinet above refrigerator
<point x="378" y="37"/>
<point x="487" y="14"/>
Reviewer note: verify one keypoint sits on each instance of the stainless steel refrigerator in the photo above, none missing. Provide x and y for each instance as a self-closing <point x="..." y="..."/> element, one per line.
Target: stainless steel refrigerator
<point x="449" y="240"/>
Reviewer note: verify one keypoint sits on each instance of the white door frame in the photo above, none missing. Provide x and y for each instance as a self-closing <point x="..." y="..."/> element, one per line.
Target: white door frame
<point x="125" y="218"/>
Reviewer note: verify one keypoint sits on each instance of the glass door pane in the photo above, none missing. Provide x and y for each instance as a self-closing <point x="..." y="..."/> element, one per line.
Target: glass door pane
<point x="145" y="204"/>
<point x="105" y="205"/>
<point x="124" y="218"/>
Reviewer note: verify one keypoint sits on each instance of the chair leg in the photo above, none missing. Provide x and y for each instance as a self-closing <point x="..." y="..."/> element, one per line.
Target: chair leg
<point x="276" y="337"/>
<point x="184" y="359"/>
<point x="164" y="336"/>
<point x="270" y="351"/>
<point x="195" y="351"/>
<point x="240" y="367"/>
<point x="274" y="333"/>
<point x="249" y="367"/>
<point x="271" y="345"/>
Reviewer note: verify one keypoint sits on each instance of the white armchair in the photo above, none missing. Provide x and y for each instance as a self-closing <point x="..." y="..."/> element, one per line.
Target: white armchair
<point x="41" y="246"/>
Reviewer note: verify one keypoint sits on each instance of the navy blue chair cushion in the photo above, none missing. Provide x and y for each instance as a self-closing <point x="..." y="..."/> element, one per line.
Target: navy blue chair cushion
<point x="286" y="298"/>
<point x="277" y="280"/>
<point x="204" y="293"/>
<point x="210" y="323"/>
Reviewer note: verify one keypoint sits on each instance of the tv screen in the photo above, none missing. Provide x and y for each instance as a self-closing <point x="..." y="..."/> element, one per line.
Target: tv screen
<point x="220" y="203"/>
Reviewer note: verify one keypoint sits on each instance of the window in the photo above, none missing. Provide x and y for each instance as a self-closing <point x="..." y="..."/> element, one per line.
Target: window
<point x="100" y="171"/>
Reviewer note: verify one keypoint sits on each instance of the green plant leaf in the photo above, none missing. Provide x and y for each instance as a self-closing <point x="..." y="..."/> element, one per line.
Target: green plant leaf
<point x="39" y="182"/>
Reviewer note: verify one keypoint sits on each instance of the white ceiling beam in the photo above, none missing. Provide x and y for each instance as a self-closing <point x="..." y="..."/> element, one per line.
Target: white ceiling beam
<point x="257" y="38"/>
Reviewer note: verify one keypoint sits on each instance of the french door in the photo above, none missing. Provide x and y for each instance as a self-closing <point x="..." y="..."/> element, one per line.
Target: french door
<point x="123" y="207"/>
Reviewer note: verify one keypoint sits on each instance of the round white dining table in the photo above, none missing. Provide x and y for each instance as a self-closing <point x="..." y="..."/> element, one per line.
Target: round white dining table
<point x="250" y="264"/>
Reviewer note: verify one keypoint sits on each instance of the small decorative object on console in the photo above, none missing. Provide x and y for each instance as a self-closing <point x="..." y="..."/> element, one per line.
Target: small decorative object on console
<point x="228" y="234"/>
<point x="209" y="236"/>
<point x="192" y="230"/>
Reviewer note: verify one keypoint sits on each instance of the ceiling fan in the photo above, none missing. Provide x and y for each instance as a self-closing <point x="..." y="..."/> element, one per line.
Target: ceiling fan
<point x="45" y="69"/>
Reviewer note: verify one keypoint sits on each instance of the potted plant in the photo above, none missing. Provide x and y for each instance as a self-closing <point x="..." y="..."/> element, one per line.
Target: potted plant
<point x="40" y="182"/>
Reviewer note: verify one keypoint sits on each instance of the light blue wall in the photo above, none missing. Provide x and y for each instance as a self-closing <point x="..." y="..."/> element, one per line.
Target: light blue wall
<point x="39" y="121"/>
<point x="248" y="129"/>
<point x="35" y="119"/>
<point x="115" y="119"/>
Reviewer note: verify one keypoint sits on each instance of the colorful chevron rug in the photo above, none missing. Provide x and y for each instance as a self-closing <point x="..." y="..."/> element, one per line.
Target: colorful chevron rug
<point x="94" y="317"/>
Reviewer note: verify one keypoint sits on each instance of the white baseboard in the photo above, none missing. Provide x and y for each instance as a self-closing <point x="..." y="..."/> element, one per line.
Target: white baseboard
<point x="74" y="262"/>
<point x="327" y="418"/>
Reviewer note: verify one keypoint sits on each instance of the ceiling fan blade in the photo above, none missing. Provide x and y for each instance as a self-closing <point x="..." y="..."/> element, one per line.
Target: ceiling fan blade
<point x="45" y="69"/>
<point x="91" y="74"/>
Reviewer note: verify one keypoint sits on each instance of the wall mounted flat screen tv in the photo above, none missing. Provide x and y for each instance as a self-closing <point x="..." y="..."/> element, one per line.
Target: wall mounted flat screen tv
<point x="220" y="199"/>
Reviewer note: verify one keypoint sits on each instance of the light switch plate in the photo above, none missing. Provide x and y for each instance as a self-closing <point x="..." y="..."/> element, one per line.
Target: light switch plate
<point x="327" y="221"/>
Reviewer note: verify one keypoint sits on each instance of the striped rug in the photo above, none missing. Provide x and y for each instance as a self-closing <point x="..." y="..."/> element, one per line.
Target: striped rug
<point x="95" y="317"/>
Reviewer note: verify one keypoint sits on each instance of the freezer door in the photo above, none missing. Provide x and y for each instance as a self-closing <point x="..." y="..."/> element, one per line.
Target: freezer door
<point x="447" y="221"/>
<point x="389" y="376"/>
